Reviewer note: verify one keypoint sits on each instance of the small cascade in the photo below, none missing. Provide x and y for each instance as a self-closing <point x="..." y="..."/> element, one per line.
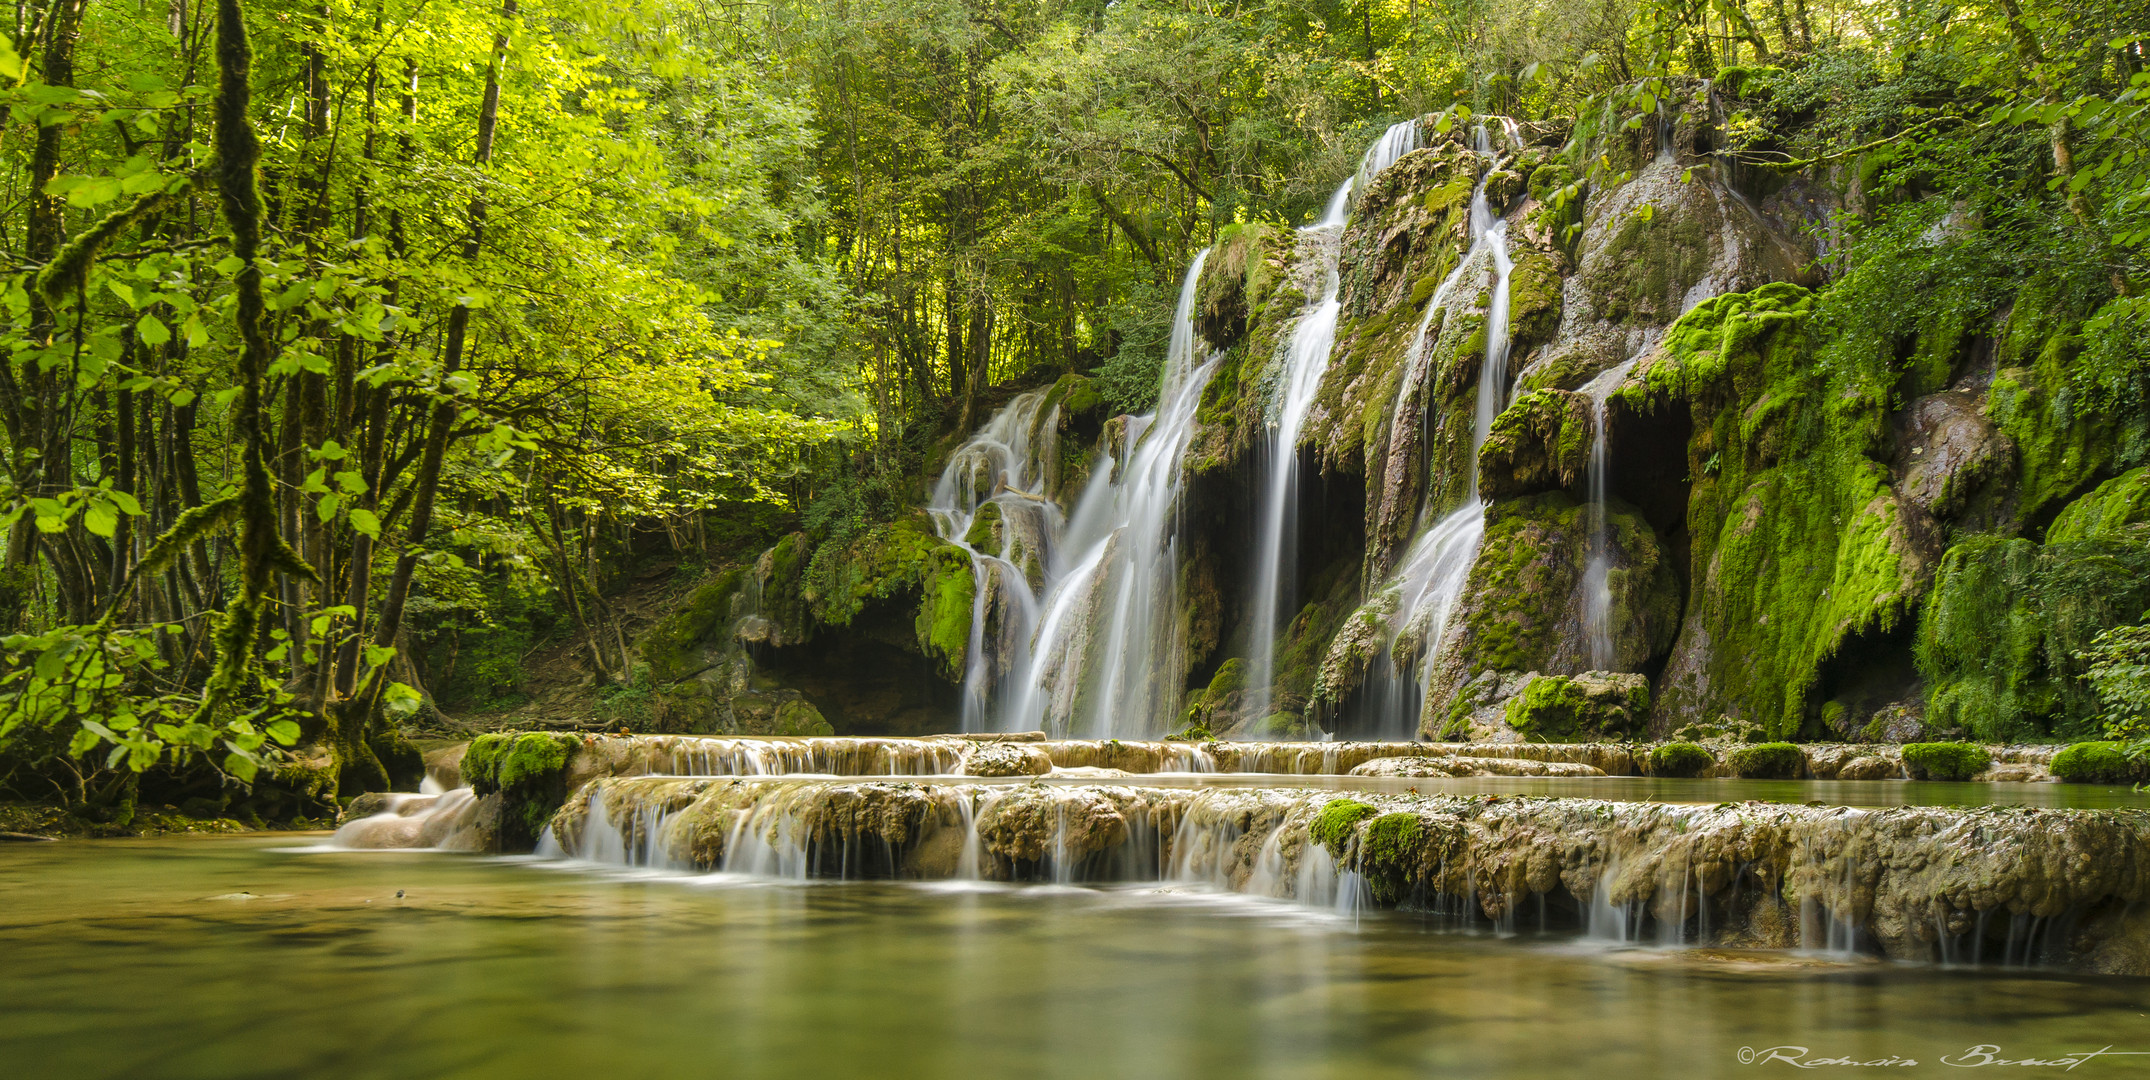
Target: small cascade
<point x="1438" y="564"/>
<point x="1106" y="658"/>
<point x="1597" y="573"/>
<point x="1000" y="467"/>
<point x="1305" y="361"/>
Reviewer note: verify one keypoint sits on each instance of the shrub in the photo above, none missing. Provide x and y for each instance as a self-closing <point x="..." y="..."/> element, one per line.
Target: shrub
<point x="1768" y="761"/>
<point x="1945" y="760"/>
<point x="1680" y="759"/>
<point x="2094" y="763"/>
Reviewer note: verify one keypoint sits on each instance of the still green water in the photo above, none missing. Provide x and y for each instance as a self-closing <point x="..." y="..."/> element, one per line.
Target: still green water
<point x="239" y="957"/>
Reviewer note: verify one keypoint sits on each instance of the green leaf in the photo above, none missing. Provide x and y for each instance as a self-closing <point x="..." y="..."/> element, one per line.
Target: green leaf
<point x="366" y="521"/>
<point x="326" y="508"/>
<point x="127" y="503"/>
<point x="99" y="517"/>
<point x="152" y="331"/>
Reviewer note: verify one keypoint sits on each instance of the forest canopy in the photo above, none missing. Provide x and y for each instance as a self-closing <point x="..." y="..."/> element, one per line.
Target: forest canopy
<point x="512" y="288"/>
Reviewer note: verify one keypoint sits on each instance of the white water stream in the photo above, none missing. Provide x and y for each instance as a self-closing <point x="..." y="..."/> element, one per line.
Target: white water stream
<point x="1438" y="564"/>
<point x="1305" y="361"/>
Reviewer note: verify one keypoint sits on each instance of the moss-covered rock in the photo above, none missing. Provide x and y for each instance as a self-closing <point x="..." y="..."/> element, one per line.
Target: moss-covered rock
<point x="1583" y="708"/>
<point x="687" y="640"/>
<point x="1768" y="761"/>
<point x="1539" y="443"/>
<point x="1681" y="760"/>
<point x="2001" y="637"/>
<point x="1523" y="607"/>
<point x="2106" y="512"/>
<point x="528" y="771"/>
<point x="1946" y="760"/>
<point x="1337" y="824"/>
<point x="1236" y="276"/>
<point x="2096" y="763"/>
<point x="900" y="563"/>
<point x="1798" y="543"/>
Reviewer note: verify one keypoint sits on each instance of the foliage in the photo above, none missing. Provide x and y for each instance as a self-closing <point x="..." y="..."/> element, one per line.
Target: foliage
<point x="2118" y="672"/>
<point x="2004" y="639"/>
<point x="1951" y="761"/>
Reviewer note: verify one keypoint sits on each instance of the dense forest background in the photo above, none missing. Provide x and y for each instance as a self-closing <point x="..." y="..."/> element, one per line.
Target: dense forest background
<point x="536" y="294"/>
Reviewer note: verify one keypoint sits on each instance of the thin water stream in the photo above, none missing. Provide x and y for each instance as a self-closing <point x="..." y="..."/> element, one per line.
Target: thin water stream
<point x="233" y="958"/>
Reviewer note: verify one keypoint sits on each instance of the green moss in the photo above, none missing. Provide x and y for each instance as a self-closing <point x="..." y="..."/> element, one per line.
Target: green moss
<point x="1393" y="852"/>
<point x="1529" y="564"/>
<point x="1946" y="760"/>
<point x="1560" y="709"/>
<point x="2095" y="763"/>
<point x="1551" y="708"/>
<point x="1680" y="760"/>
<point x="1539" y="442"/>
<point x="528" y="771"/>
<point x="901" y="561"/>
<point x="1798" y="543"/>
<point x="672" y="648"/>
<point x="1335" y="825"/>
<point x="2115" y="505"/>
<point x="2001" y="638"/>
<point x="801" y="718"/>
<point x="1768" y="761"/>
<point x="984" y="534"/>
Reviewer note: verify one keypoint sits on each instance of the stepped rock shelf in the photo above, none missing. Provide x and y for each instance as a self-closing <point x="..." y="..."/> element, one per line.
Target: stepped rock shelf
<point x="2006" y="884"/>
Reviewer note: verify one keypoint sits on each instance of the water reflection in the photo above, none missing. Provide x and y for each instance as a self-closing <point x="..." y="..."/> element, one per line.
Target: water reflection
<point x="229" y="958"/>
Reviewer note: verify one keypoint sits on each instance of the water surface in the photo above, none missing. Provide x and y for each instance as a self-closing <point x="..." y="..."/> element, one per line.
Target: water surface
<point x="237" y="957"/>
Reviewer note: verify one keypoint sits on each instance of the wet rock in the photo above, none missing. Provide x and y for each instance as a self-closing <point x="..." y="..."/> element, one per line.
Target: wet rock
<point x="1946" y="450"/>
<point x="1525" y="606"/>
<point x="1562" y="709"/>
<point x="1007" y="759"/>
<point x="1539" y="443"/>
<point x="1870" y="767"/>
<point x="1915" y="883"/>
<point x="1472" y="766"/>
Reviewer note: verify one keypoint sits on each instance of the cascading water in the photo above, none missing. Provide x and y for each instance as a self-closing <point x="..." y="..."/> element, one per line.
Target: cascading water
<point x="1597" y="573"/>
<point x="1439" y="561"/>
<point x="1105" y="660"/>
<point x="1305" y="360"/>
<point x="1000" y="467"/>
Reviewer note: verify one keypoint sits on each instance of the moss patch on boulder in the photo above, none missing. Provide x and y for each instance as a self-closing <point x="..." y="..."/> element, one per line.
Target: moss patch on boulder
<point x="900" y="562"/>
<point x="1681" y="760"/>
<point x="675" y="648"/>
<point x="2096" y="763"/>
<point x="1768" y="761"/>
<point x="1539" y="443"/>
<point x="1581" y="708"/>
<point x="1798" y="542"/>
<point x="1946" y="760"/>
<point x="528" y="771"/>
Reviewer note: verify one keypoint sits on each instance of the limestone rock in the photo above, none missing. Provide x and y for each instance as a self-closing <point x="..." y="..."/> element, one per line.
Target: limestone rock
<point x="1539" y="443"/>
<point x="1007" y="759"/>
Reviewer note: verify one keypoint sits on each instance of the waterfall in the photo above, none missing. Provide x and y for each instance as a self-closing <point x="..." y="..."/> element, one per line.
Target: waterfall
<point x="1306" y="360"/>
<point x="1000" y="467"/>
<point x="1438" y="564"/>
<point x="1597" y="573"/>
<point x="1106" y="659"/>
